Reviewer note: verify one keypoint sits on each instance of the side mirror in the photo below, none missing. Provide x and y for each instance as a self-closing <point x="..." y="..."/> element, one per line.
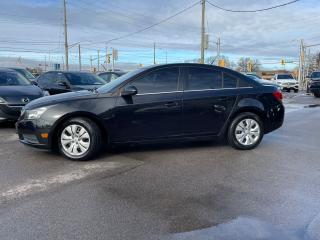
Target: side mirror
<point x="34" y="83"/>
<point x="129" y="91"/>
<point x="63" y="84"/>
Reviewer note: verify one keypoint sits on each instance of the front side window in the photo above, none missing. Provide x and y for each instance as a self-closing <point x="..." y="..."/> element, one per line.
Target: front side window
<point x="203" y="78"/>
<point x="163" y="80"/>
<point x="13" y="79"/>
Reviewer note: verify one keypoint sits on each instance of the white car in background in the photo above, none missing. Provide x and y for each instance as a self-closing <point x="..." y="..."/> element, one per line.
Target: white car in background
<point x="286" y="82"/>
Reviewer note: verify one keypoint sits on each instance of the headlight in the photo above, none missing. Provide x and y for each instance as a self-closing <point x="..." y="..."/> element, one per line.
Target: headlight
<point x="46" y="93"/>
<point x="2" y="100"/>
<point x="35" y="113"/>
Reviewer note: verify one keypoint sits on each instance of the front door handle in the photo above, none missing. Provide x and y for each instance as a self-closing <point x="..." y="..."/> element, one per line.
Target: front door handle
<point x="171" y="104"/>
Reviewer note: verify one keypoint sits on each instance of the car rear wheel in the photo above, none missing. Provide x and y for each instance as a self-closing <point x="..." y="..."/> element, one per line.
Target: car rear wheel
<point x="79" y="139"/>
<point x="245" y="131"/>
<point x="317" y="95"/>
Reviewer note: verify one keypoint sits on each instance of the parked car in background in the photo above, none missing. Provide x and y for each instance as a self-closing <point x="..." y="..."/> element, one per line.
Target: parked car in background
<point x="314" y="84"/>
<point x="15" y="92"/>
<point x="261" y="80"/>
<point x="154" y="104"/>
<point x="56" y="82"/>
<point x="110" y="76"/>
<point x="28" y="75"/>
<point x="286" y="82"/>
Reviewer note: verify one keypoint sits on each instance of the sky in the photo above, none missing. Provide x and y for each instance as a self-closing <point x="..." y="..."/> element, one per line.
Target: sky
<point x="33" y="29"/>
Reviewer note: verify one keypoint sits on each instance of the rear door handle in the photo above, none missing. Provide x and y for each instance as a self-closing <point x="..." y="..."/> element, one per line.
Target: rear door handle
<point x="223" y="98"/>
<point x="171" y="104"/>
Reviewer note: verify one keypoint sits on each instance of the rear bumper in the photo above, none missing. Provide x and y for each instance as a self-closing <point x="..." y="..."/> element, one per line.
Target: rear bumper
<point x="29" y="134"/>
<point x="275" y="118"/>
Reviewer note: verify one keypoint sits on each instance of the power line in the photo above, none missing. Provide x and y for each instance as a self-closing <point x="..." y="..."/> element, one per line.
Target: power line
<point x="155" y="24"/>
<point x="252" y="11"/>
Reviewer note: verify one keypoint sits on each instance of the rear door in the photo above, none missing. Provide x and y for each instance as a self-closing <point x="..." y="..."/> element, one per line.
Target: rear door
<point x="208" y="97"/>
<point x="155" y="112"/>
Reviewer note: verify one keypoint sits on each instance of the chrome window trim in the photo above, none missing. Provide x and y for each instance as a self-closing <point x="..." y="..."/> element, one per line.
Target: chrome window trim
<point x="200" y="90"/>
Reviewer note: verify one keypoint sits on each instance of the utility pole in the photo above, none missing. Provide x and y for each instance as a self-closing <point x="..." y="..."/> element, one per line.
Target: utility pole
<point x="90" y="63"/>
<point x="218" y="48"/>
<point x="113" y="52"/>
<point x="66" y="35"/>
<point x="45" y="63"/>
<point x="301" y="60"/>
<point x="203" y="3"/>
<point x="107" y="65"/>
<point x="98" y="68"/>
<point x="79" y="51"/>
<point x="154" y="53"/>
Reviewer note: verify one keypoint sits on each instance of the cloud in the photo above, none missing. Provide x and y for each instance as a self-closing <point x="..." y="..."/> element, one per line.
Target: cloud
<point x="274" y="33"/>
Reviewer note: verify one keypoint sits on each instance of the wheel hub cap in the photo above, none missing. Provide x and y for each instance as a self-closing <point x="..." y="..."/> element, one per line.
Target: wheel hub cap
<point x="75" y="140"/>
<point x="247" y="132"/>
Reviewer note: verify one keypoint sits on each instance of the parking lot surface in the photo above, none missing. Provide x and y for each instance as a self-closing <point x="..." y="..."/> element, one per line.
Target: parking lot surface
<point x="203" y="190"/>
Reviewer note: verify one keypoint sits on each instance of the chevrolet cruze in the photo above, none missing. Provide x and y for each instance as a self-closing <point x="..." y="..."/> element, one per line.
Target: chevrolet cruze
<point x="153" y="104"/>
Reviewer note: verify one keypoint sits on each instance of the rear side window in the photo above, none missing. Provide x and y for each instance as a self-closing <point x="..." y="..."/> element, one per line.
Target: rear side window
<point x="229" y="81"/>
<point x="162" y="80"/>
<point x="203" y="78"/>
<point x="47" y="78"/>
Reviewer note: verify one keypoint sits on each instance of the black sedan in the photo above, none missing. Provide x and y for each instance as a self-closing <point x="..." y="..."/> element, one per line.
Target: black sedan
<point x="15" y="92"/>
<point x="56" y="82"/>
<point x="153" y="104"/>
<point x="112" y="75"/>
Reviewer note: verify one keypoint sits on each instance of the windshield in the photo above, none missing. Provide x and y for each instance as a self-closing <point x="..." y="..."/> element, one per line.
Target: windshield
<point x="13" y="79"/>
<point x="315" y="75"/>
<point x="25" y="73"/>
<point x="111" y="85"/>
<point x="84" y="79"/>
<point x="285" y="76"/>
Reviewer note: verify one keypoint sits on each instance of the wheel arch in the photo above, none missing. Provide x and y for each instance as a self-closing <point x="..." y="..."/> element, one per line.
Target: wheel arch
<point x="55" y="129"/>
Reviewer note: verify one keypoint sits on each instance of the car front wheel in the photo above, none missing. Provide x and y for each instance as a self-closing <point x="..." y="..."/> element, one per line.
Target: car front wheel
<point x="245" y="131"/>
<point x="79" y="139"/>
<point x="317" y="95"/>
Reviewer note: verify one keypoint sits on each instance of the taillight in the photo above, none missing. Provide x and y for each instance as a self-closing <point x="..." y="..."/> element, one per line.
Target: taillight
<point x="278" y="95"/>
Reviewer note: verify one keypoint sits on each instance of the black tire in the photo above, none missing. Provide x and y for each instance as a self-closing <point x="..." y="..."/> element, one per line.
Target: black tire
<point x="296" y="91"/>
<point x="95" y="139"/>
<point x="317" y="95"/>
<point x="232" y="131"/>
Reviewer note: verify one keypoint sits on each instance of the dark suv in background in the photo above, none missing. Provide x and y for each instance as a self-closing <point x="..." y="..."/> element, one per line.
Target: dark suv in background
<point x="158" y="103"/>
<point x="56" y="82"/>
<point x="314" y="84"/>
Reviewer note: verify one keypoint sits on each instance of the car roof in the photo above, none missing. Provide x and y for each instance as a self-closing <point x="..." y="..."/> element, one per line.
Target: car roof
<point x="63" y="71"/>
<point x="5" y="69"/>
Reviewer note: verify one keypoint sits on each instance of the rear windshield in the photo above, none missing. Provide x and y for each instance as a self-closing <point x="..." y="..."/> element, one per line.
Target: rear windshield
<point x="13" y="79"/>
<point x="315" y="75"/>
<point x="84" y="79"/>
<point x="285" y="76"/>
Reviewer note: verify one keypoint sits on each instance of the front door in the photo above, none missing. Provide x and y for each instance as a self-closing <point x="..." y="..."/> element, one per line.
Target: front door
<point x="154" y="112"/>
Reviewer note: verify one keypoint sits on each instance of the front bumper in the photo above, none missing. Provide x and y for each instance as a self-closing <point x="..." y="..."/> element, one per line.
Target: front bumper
<point x="29" y="132"/>
<point x="9" y="113"/>
<point x="289" y="87"/>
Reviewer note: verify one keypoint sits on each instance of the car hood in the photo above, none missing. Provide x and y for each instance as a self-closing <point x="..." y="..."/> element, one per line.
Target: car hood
<point x="18" y="95"/>
<point x="54" y="99"/>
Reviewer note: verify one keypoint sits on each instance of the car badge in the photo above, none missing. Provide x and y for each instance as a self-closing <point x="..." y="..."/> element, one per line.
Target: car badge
<point x="25" y="100"/>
